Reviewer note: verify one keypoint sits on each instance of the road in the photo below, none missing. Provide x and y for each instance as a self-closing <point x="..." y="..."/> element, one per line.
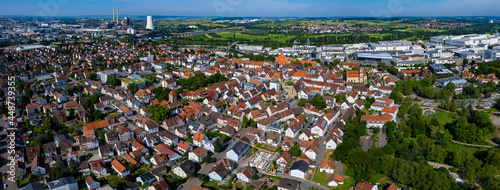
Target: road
<point x="304" y="184"/>
<point x="438" y="165"/>
<point x="322" y="149"/>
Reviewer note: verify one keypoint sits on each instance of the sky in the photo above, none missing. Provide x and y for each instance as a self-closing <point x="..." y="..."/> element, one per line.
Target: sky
<point x="253" y="8"/>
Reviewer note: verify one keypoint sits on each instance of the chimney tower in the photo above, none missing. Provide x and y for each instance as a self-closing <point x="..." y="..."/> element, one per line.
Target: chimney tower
<point x="117" y="14"/>
<point x="113" y="13"/>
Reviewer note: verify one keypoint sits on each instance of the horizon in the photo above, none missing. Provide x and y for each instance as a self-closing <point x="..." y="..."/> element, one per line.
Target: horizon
<point x="256" y="8"/>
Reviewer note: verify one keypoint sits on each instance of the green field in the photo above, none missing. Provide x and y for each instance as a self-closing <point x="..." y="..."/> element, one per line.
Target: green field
<point x="420" y="29"/>
<point x="320" y="177"/>
<point x="199" y="37"/>
<point x="238" y="34"/>
<point x="442" y="116"/>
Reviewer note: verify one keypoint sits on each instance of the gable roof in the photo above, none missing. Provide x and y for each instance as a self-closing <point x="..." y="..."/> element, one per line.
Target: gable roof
<point x="300" y="165"/>
<point x="328" y="162"/>
<point x="119" y="166"/>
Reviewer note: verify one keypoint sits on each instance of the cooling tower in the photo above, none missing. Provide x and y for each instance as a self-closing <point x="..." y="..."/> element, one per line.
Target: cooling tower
<point x="149" y="24"/>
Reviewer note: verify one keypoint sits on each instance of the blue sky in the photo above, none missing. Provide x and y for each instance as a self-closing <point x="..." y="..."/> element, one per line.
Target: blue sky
<point x="254" y="8"/>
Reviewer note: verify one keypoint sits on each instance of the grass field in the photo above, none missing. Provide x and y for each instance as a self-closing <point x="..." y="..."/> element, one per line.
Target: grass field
<point x="420" y="29"/>
<point x="320" y="177"/>
<point x="199" y="37"/>
<point x="443" y="117"/>
<point x="238" y="34"/>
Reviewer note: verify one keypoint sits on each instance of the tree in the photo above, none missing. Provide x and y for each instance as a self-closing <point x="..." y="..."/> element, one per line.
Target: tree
<point x="133" y="87"/>
<point x="217" y="147"/>
<point x="203" y="177"/>
<point x="113" y="81"/>
<point x="118" y="183"/>
<point x="244" y="122"/>
<point x="93" y="76"/>
<point x="295" y="150"/>
<point x="396" y="96"/>
<point x="255" y="177"/>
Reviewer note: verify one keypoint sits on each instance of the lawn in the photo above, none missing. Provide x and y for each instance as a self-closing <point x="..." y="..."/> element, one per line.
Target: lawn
<point x="490" y="110"/>
<point x="452" y="146"/>
<point x="199" y="37"/>
<point x="348" y="183"/>
<point x="251" y="151"/>
<point x="111" y="177"/>
<point x="238" y="34"/>
<point x="328" y="152"/>
<point x="215" y="185"/>
<point x="321" y="177"/>
<point x="442" y="116"/>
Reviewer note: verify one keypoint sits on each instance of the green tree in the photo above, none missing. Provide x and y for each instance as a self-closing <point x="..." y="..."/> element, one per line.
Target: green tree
<point x="93" y="76"/>
<point x="302" y="102"/>
<point x="295" y="150"/>
<point x="244" y="122"/>
<point x="133" y="87"/>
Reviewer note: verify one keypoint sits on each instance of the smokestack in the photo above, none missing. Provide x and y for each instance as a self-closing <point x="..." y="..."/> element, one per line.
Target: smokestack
<point x="117" y="14"/>
<point x="113" y="13"/>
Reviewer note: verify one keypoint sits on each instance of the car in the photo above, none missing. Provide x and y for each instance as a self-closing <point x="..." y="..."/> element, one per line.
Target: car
<point x="289" y="138"/>
<point x="286" y="172"/>
<point x="180" y="187"/>
<point x="5" y="186"/>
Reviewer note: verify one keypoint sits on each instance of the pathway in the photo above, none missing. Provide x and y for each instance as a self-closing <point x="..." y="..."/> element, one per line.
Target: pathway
<point x="492" y="143"/>
<point x="476" y="145"/>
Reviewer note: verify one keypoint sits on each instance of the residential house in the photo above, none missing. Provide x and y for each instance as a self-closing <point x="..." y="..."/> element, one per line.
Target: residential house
<point x="327" y="165"/>
<point x="310" y="148"/>
<point x="184" y="146"/>
<point x="197" y="154"/>
<point x="335" y="180"/>
<point x="50" y="148"/>
<point x="106" y="151"/>
<point x="159" y="185"/>
<point x="111" y="137"/>
<point x="92" y="183"/>
<point x="288" y="184"/>
<point x="145" y="178"/>
<point x="98" y="168"/>
<point x="183" y="169"/>
<point x="168" y="138"/>
<point x="124" y="133"/>
<point x="38" y="166"/>
<point x="159" y="159"/>
<point x="364" y="185"/>
<point x="120" y="168"/>
<point x="246" y="174"/>
<point x="65" y="183"/>
<point x="221" y="169"/>
<point x="238" y="149"/>
<point x="299" y="169"/>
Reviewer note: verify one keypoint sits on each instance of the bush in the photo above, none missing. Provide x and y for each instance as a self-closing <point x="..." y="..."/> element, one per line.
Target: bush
<point x="239" y="185"/>
<point x="453" y="170"/>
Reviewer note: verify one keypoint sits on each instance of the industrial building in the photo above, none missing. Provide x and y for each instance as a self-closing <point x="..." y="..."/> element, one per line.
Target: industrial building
<point x="133" y="79"/>
<point x="458" y="81"/>
<point x="468" y="40"/>
<point x="149" y="24"/>
<point x="439" y="69"/>
<point x="383" y="57"/>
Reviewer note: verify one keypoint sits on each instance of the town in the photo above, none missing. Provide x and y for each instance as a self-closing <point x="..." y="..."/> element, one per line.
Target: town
<point x="111" y="113"/>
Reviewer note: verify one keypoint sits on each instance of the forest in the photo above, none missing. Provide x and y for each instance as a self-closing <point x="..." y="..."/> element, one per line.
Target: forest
<point x="414" y="142"/>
